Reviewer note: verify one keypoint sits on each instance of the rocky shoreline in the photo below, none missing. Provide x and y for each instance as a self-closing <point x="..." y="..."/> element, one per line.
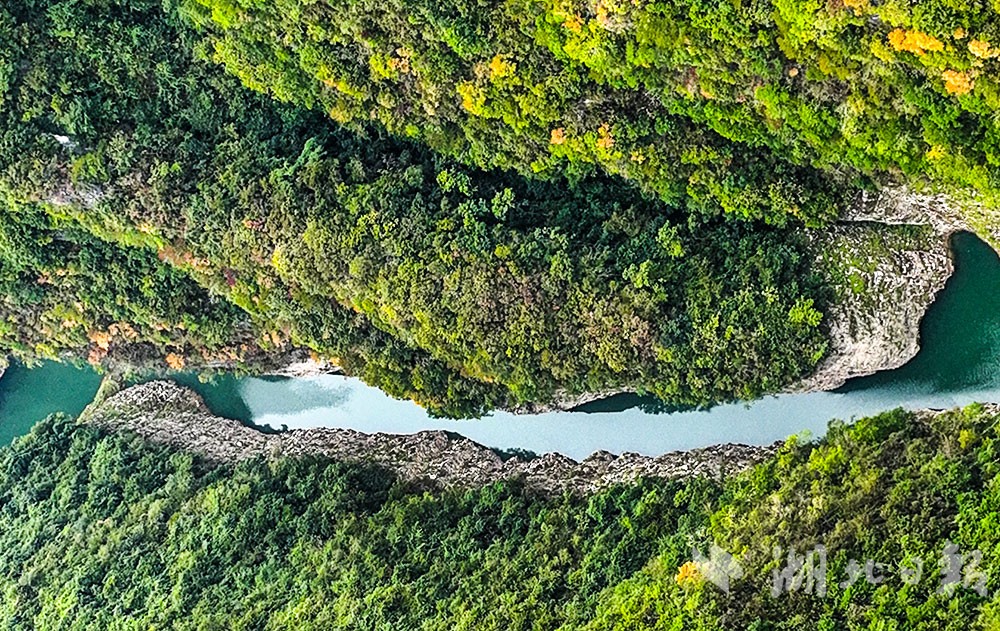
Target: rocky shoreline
<point x="164" y="412"/>
<point x="887" y="260"/>
<point x="885" y="284"/>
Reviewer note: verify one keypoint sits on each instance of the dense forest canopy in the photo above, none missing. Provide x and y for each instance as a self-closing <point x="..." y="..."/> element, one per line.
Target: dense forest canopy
<point x="461" y="288"/>
<point x="102" y="530"/>
<point x="63" y="290"/>
<point x="477" y="205"/>
<point x="477" y="81"/>
<point x="651" y="89"/>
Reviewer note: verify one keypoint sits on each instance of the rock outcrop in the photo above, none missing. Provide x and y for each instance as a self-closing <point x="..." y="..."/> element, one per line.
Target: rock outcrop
<point x="898" y="205"/>
<point x="887" y="260"/>
<point x="162" y="411"/>
<point x="300" y="363"/>
<point x="886" y="277"/>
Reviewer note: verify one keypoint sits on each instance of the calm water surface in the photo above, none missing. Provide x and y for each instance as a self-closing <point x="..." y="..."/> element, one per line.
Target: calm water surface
<point x="959" y="363"/>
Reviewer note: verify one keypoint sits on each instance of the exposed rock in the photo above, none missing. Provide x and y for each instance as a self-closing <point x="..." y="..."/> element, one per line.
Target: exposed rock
<point x="299" y="363"/>
<point x="885" y="278"/>
<point x="67" y="195"/>
<point x="162" y="411"/>
<point x="960" y="210"/>
<point x="565" y="401"/>
<point x="887" y="260"/>
<point x="898" y="205"/>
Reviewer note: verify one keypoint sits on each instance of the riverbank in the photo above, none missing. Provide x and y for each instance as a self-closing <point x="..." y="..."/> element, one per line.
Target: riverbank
<point x="959" y="363"/>
<point x="163" y="412"/>
<point x="885" y="277"/>
<point x="885" y="263"/>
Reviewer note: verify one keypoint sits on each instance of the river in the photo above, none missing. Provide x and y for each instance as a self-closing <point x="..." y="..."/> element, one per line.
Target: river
<point x="959" y="363"/>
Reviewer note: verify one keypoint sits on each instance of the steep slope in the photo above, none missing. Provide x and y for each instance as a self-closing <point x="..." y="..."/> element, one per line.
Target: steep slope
<point x="104" y="529"/>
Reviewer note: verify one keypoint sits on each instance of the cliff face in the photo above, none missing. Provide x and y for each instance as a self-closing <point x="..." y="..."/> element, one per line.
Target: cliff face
<point x="897" y="205"/>
<point x="164" y="412"/>
<point x="885" y="277"/>
<point x="886" y="261"/>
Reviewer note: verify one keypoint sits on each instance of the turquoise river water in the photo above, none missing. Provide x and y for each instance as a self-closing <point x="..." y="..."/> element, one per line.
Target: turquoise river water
<point x="959" y="363"/>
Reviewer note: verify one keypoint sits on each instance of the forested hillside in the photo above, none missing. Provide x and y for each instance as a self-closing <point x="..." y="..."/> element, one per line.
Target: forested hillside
<point x="491" y="204"/>
<point x="481" y="205"/>
<point x="63" y="290"/>
<point x="102" y="530"/>
<point x="461" y="288"/>
<point x="650" y="90"/>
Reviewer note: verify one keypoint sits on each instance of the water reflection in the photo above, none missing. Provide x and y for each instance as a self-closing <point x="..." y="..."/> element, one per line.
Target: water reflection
<point x="287" y="397"/>
<point x="577" y="434"/>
